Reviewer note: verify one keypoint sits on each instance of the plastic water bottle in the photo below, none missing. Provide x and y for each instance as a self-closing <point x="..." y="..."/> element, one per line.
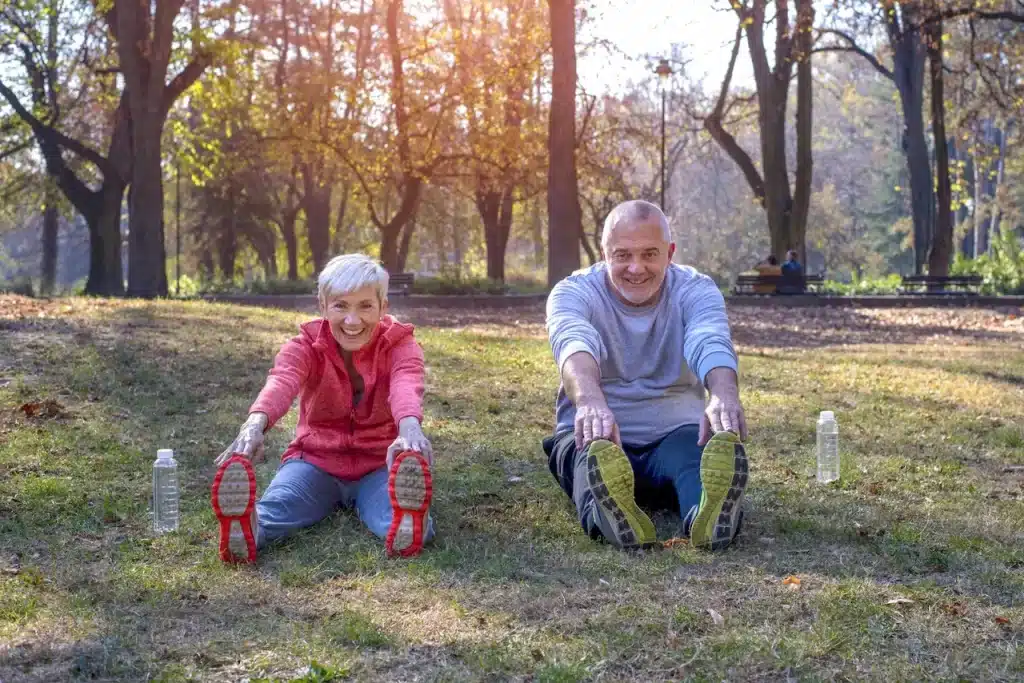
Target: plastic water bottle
<point x="828" y="447"/>
<point x="165" y="492"/>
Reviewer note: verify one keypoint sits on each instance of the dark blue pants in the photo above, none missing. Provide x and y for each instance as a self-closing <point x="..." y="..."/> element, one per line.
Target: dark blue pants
<point x="667" y="474"/>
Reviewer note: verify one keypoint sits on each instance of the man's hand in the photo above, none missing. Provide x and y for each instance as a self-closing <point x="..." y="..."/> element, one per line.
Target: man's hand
<point x="249" y="441"/>
<point x="724" y="413"/>
<point x="595" y="421"/>
<point x="410" y="438"/>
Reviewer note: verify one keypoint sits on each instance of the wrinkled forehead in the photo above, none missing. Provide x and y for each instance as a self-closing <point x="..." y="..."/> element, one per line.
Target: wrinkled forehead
<point x="636" y="234"/>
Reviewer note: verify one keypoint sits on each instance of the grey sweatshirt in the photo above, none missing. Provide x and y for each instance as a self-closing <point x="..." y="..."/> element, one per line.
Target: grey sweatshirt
<point x="653" y="359"/>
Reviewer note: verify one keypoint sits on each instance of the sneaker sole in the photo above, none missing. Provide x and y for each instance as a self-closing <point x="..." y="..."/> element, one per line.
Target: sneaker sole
<point x="611" y="480"/>
<point x="234" y="498"/>
<point x="723" y="474"/>
<point x="410" y="488"/>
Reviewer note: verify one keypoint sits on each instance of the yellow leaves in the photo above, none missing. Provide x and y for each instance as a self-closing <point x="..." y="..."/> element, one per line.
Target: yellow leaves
<point x="792" y="581"/>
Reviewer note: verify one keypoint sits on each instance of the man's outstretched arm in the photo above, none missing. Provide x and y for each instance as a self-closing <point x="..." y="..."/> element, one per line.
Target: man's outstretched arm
<point x="724" y="412"/>
<point x="581" y="378"/>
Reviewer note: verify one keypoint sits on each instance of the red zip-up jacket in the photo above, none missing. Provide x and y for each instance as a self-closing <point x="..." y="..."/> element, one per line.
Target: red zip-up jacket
<point x="345" y="441"/>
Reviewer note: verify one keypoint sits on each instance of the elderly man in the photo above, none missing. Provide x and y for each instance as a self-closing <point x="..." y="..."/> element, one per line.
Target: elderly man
<point x="638" y="340"/>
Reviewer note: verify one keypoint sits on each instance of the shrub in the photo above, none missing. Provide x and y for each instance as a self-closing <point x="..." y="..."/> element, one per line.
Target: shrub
<point x="1002" y="271"/>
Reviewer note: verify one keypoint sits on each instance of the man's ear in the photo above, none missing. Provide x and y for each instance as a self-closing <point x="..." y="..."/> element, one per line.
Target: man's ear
<point x="671" y="251"/>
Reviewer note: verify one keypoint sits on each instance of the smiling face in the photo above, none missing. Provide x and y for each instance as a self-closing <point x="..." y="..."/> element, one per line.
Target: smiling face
<point x="638" y="257"/>
<point x="354" y="316"/>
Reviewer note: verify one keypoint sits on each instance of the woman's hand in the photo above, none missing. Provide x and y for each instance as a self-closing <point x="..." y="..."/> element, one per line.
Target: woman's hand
<point x="410" y="438"/>
<point x="249" y="441"/>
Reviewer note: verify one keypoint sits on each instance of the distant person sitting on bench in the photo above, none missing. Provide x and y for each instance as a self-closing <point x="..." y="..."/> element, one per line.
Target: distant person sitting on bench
<point x="792" y="264"/>
<point x="792" y="274"/>
<point x="770" y="267"/>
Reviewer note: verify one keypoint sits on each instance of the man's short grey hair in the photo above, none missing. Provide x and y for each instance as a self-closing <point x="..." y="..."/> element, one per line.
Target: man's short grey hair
<point x="346" y="273"/>
<point x="634" y="211"/>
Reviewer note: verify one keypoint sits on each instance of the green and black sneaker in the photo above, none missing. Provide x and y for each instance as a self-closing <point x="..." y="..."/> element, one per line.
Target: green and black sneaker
<point x="723" y="476"/>
<point x="610" y="476"/>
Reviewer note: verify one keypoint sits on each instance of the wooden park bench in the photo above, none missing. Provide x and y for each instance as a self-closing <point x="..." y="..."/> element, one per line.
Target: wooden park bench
<point x="781" y="284"/>
<point x="400" y="284"/>
<point x="941" y="285"/>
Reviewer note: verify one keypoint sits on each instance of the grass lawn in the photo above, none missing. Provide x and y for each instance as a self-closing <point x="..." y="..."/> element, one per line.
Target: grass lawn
<point x="910" y="568"/>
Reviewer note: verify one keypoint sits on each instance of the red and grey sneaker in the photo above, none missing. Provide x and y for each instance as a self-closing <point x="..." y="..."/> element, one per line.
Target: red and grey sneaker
<point x="410" y="490"/>
<point x="234" y="502"/>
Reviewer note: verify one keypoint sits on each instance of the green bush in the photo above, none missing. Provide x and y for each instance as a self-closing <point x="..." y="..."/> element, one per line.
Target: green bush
<point x="1002" y="271"/>
<point x="890" y="284"/>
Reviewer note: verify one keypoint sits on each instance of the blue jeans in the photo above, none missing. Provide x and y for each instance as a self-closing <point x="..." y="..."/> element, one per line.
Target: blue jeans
<point x="301" y="494"/>
<point x="667" y="474"/>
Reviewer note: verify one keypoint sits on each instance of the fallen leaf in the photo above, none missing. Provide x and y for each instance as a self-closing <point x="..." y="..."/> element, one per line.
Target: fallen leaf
<point x="675" y="543"/>
<point x="875" y="488"/>
<point x="792" y="581"/>
<point x="900" y="601"/>
<point x="1002" y="621"/>
<point x="716" y="617"/>
<point x="955" y="609"/>
<point x="48" y="408"/>
<point x="602" y="581"/>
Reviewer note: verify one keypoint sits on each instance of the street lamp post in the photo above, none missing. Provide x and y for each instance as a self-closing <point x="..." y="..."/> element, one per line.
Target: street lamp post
<point x="664" y="71"/>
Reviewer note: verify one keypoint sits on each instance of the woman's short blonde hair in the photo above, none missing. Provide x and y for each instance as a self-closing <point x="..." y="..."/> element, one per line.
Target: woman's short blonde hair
<point x="346" y="273"/>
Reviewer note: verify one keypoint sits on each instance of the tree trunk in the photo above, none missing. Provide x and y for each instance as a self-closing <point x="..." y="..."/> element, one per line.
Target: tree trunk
<point x="391" y="231"/>
<point x="51" y="229"/>
<point x="317" y="206"/>
<point x="495" y="207"/>
<point x="147" y="276"/>
<point x="404" y="243"/>
<point x="997" y="182"/>
<point x="291" y="243"/>
<point x="227" y="239"/>
<point x="537" y="230"/>
<point x="106" y="276"/>
<point x="144" y="33"/>
<point x="977" y="236"/>
<point x="338" y="239"/>
<point x="908" y="45"/>
<point x="565" y="222"/>
<point x="804" y="117"/>
<point x="942" y="241"/>
<point x="785" y="213"/>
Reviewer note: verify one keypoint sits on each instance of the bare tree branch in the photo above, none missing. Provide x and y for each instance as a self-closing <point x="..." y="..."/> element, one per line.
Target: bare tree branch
<point x="42" y="130"/>
<point x="853" y="47"/>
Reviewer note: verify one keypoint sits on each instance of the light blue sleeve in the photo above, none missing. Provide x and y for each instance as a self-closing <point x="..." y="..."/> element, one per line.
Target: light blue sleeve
<point x="707" y="343"/>
<point x="568" y="321"/>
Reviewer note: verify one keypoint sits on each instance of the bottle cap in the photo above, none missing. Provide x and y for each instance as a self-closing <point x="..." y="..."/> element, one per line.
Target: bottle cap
<point x="827" y="415"/>
<point x="164" y="454"/>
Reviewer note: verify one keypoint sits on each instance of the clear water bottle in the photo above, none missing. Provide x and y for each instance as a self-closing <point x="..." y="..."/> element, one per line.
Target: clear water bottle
<point x="165" y="492"/>
<point x="828" y="447"/>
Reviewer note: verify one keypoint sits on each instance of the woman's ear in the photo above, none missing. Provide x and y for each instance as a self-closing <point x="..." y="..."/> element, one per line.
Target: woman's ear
<point x="383" y="306"/>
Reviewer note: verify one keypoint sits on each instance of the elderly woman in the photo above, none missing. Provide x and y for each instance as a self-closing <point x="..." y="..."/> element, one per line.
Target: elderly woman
<point x="358" y="374"/>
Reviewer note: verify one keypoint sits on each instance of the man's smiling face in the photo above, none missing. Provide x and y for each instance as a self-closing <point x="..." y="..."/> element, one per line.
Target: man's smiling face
<point x="638" y="257"/>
